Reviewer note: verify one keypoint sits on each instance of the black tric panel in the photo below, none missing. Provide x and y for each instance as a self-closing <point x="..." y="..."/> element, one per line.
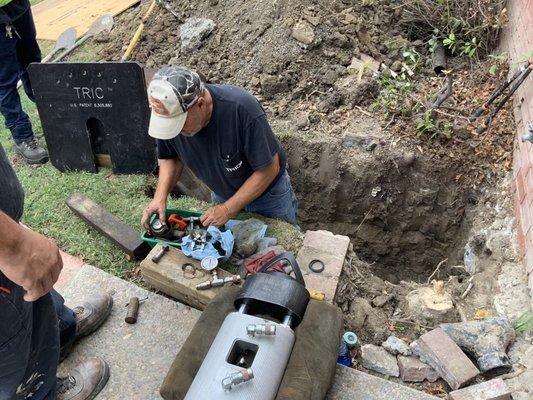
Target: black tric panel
<point x="94" y="108"/>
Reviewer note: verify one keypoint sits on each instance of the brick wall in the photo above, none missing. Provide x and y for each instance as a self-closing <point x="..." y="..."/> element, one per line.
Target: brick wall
<point x="519" y="42"/>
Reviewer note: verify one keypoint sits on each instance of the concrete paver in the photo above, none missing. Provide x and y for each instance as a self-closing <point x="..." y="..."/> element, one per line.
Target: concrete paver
<point x="350" y="384"/>
<point x="331" y="250"/>
<point x="139" y="355"/>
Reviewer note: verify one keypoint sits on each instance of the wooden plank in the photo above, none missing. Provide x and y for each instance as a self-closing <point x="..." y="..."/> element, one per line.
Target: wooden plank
<point x="167" y="276"/>
<point x="54" y="16"/>
<point x="127" y="239"/>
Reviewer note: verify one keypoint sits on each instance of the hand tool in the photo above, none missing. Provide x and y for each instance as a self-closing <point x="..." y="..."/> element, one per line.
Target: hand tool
<point x="160" y="253"/>
<point x="104" y="24"/>
<point x="178" y="220"/>
<point x="65" y="41"/>
<point x="138" y="32"/>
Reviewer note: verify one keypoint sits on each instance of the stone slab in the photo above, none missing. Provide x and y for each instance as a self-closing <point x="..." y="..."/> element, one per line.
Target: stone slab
<point x="441" y="352"/>
<point x="139" y="355"/>
<point x="168" y="277"/>
<point x="71" y="266"/>
<point x="351" y="384"/>
<point x="495" y="389"/>
<point x="330" y="249"/>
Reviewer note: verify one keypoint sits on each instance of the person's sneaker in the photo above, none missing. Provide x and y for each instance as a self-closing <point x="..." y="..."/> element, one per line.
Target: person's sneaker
<point x="85" y="381"/>
<point x="92" y="313"/>
<point x="32" y="152"/>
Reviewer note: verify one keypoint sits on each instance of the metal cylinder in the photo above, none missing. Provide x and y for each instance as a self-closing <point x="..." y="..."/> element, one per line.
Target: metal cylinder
<point x="261" y="330"/>
<point x="133" y="311"/>
<point x="237" y="378"/>
<point x="438" y="61"/>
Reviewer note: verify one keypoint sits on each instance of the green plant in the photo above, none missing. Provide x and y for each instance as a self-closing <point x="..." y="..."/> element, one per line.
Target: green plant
<point x="470" y="48"/>
<point x="433" y="127"/>
<point x="451" y="42"/>
<point x="395" y="96"/>
<point x="412" y="57"/>
<point x="524" y="323"/>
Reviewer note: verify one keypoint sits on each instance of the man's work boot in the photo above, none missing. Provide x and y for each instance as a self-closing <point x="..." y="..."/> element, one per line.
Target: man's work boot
<point x="85" y="381"/>
<point x="92" y="313"/>
<point x="32" y="152"/>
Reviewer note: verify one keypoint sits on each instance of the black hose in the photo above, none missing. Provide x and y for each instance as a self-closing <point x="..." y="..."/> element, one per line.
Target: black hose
<point x="288" y="256"/>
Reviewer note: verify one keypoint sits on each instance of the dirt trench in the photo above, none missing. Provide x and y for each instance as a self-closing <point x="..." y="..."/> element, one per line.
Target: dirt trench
<point x="403" y="211"/>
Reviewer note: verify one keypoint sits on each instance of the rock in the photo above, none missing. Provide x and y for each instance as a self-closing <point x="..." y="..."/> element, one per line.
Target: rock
<point x="301" y="120"/>
<point x="414" y="370"/>
<point x="382" y="299"/>
<point x="379" y="360"/>
<point x="312" y="20"/>
<point x="364" y="61"/>
<point x="417" y="351"/>
<point x="474" y="249"/>
<point x="447" y="358"/>
<point x="193" y="31"/>
<point x="407" y="159"/>
<point x="330" y="77"/>
<point x="396" y="346"/>
<point x="428" y="305"/>
<point x="303" y="32"/>
<point x="265" y="243"/>
<point x="366" y="143"/>
<point x="272" y="85"/>
<point x="354" y="91"/>
<point x="255" y="81"/>
<point x="329" y="102"/>
<point x="396" y="66"/>
<point x="495" y="389"/>
<point x="487" y="340"/>
<point x="246" y="235"/>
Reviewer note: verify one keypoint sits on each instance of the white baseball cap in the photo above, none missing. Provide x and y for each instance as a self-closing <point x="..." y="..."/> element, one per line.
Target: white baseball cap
<point x="171" y="93"/>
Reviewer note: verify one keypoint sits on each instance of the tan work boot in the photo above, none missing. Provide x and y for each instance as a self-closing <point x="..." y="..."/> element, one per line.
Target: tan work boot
<point x="92" y="313"/>
<point x="85" y="381"/>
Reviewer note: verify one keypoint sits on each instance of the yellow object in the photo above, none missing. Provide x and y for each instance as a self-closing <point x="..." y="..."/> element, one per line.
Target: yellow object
<point x="316" y="295"/>
<point x="53" y="17"/>
<point x="138" y="33"/>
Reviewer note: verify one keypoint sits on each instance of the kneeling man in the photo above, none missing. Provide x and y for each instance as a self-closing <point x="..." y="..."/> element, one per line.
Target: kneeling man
<point x="222" y="134"/>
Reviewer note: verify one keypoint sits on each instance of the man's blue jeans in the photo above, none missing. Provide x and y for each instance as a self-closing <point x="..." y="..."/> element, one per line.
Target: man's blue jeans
<point x="278" y="202"/>
<point x="30" y="333"/>
<point x="15" y="56"/>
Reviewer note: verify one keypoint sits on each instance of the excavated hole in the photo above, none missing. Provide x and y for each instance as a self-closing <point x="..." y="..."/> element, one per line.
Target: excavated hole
<point x="404" y="213"/>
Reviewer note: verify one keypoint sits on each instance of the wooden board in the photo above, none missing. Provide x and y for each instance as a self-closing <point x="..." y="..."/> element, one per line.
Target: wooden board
<point x="54" y="16"/>
<point x="127" y="239"/>
<point x="167" y="276"/>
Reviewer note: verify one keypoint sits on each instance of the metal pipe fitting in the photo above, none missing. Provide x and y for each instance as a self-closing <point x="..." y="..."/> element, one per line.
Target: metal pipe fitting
<point x="237" y="378"/>
<point x="217" y="282"/>
<point x="261" y="330"/>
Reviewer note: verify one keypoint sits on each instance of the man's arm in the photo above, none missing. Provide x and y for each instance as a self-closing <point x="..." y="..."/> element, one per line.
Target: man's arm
<point x="252" y="188"/>
<point x="28" y="259"/>
<point x="169" y="174"/>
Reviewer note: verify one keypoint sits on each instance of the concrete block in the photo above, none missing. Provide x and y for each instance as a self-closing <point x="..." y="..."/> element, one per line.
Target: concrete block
<point x="495" y="389"/>
<point x="139" y="355"/>
<point x="414" y="370"/>
<point x="331" y="250"/>
<point x="447" y="358"/>
<point x="379" y="360"/>
<point x="351" y="384"/>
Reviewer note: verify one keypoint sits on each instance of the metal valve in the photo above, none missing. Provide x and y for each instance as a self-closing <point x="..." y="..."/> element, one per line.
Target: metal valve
<point x="216" y="281"/>
<point x="261" y="329"/>
<point x="237" y="378"/>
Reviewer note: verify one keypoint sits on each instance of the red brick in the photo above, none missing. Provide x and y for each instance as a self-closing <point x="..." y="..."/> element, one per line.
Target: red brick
<point x="528" y="261"/>
<point x="520" y="238"/>
<point x="441" y="352"/>
<point x="495" y="389"/>
<point x="526" y="215"/>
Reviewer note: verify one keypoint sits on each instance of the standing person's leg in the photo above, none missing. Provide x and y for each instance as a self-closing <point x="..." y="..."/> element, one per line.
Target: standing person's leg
<point x="20" y="50"/>
<point x="16" y="120"/>
<point x="28" y="50"/>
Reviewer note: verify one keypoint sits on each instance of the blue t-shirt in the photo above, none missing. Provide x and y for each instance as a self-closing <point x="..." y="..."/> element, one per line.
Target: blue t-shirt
<point x="237" y="141"/>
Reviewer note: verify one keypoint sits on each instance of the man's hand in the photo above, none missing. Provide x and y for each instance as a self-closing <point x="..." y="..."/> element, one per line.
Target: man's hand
<point x="155" y="206"/>
<point x="217" y="216"/>
<point x="35" y="264"/>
